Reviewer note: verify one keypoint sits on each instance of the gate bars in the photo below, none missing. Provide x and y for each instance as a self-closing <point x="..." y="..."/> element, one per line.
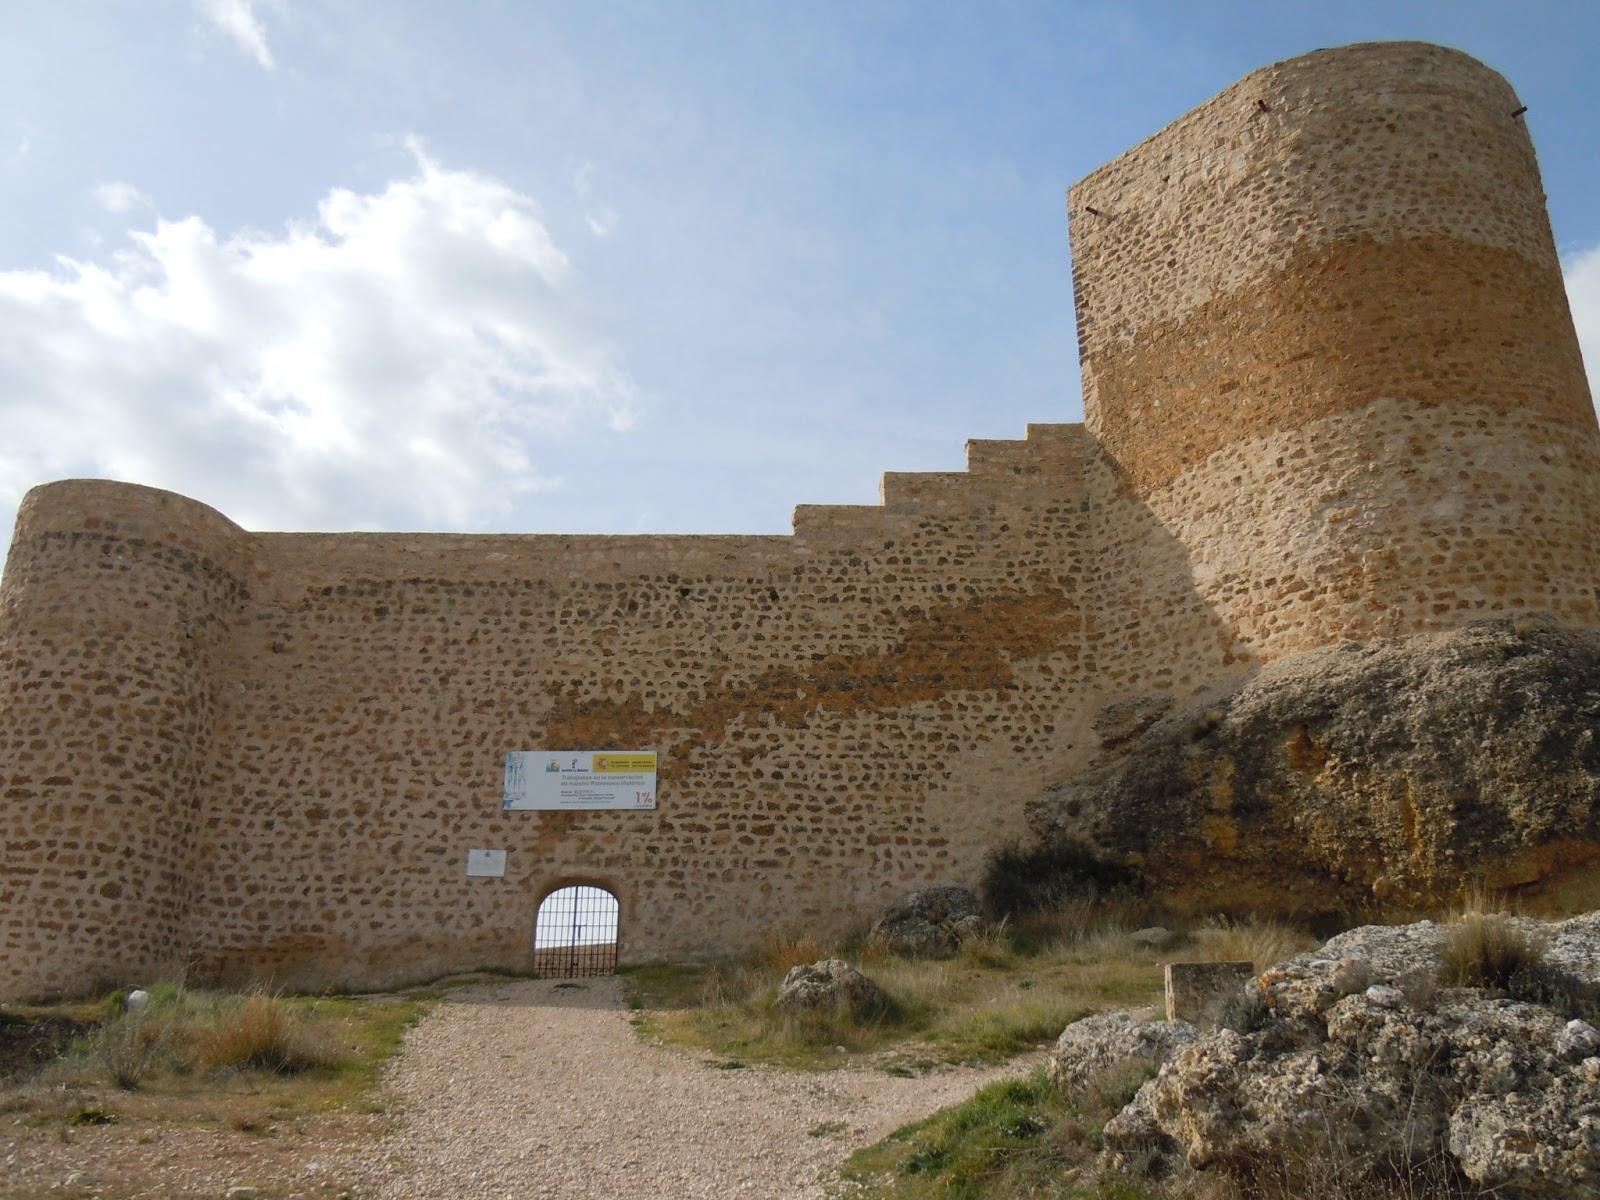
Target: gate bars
<point x="575" y="933"/>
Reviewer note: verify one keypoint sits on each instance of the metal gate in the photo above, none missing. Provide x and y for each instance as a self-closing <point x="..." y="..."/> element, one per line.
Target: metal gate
<point x="575" y="933"/>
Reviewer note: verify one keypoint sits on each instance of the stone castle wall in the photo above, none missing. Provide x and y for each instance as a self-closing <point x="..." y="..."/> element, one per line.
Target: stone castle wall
<point x="268" y="754"/>
<point x="841" y="714"/>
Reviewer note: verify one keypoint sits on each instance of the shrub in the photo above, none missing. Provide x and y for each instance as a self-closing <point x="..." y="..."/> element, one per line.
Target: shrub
<point x="1017" y="882"/>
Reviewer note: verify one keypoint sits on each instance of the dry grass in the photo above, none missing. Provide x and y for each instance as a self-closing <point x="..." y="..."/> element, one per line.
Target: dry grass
<point x="1485" y="949"/>
<point x="186" y="1032"/>
<point x="781" y="953"/>
<point x="1257" y="941"/>
<point x="215" y="1059"/>
<point x="127" y="1045"/>
<point x="1489" y="949"/>
<point x="262" y="1032"/>
<point x="1009" y="989"/>
<point x="1072" y="923"/>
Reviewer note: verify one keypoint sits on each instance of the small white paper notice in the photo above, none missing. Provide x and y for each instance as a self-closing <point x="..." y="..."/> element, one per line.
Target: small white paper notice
<point x="486" y="862"/>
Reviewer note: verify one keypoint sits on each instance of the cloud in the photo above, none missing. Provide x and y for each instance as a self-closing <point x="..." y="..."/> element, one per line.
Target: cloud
<point x="237" y="20"/>
<point x="1583" y="293"/>
<point x="412" y="357"/>
<point x="119" y="198"/>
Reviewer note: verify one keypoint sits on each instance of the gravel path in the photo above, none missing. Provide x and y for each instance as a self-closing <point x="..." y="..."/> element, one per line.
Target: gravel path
<point x="532" y="1089"/>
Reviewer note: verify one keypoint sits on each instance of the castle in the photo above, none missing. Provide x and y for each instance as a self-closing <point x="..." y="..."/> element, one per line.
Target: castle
<point x="1332" y="393"/>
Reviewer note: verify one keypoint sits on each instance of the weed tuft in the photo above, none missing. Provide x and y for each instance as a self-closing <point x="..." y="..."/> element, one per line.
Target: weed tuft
<point x="1488" y="950"/>
<point x="128" y="1044"/>
<point x="1243" y="1011"/>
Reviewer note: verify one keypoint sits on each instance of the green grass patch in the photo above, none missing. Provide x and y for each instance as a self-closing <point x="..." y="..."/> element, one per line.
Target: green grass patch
<point x="1019" y="1138"/>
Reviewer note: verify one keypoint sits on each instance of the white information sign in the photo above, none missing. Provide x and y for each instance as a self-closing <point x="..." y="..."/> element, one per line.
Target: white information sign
<point x="580" y="779"/>
<point x="489" y="863"/>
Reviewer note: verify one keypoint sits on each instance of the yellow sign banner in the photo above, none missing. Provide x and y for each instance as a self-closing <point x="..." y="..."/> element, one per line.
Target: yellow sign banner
<point x="623" y="764"/>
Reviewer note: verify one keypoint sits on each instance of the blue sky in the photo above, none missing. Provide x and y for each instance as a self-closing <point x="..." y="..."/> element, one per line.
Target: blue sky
<point x="603" y="266"/>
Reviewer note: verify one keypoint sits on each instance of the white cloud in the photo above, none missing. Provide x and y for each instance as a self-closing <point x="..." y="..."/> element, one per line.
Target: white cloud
<point x="1583" y="293"/>
<point x="237" y="20"/>
<point x="407" y="358"/>
<point x="118" y="198"/>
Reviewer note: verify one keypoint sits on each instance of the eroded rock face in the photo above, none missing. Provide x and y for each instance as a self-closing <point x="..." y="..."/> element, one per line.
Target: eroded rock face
<point x="830" y="985"/>
<point x="929" y="923"/>
<point x="1397" y="771"/>
<point x="1505" y="1091"/>
<point x="1122" y="720"/>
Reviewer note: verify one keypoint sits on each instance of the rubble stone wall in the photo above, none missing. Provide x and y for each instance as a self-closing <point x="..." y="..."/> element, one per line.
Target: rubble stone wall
<point x="1328" y="355"/>
<point x="118" y="604"/>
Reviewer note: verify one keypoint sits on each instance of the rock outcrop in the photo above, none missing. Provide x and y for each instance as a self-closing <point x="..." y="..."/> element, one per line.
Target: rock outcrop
<point x="1394" y="772"/>
<point x="929" y="923"/>
<point x="1392" y="1079"/>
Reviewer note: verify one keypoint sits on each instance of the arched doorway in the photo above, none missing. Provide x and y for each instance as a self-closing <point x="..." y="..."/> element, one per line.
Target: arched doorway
<point x="575" y="933"/>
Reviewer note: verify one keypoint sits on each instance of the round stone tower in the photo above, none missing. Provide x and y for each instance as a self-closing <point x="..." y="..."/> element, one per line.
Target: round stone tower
<point x="1328" y="355"/>
<point x="115" y="604"/>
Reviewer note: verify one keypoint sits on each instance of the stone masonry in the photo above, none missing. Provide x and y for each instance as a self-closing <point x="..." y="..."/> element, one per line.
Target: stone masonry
<point x="1333" y="393"/>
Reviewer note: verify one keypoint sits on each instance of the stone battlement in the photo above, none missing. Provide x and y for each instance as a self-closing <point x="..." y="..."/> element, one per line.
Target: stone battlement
<point x="1332" y="393"/>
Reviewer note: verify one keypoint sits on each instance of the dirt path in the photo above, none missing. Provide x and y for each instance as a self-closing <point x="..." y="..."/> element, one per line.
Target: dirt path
<point x="532" y="1089"/>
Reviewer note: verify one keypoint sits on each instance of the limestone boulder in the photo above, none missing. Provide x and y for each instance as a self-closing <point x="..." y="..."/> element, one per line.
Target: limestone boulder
<point x="1479" y="1078"/>
<point x="1534" y="1143"/>
<point x="929" y="923"/>
<point x="1395" y="771"/>
<point x="1364" y="1080"/>
<point x="830" y="986"/>
<point x="1096" y="1044"/>
<point x="1408" y="958"/>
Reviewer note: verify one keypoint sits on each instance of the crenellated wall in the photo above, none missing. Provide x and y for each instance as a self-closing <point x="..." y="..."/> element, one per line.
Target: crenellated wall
<point x="1332" y="393"/>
